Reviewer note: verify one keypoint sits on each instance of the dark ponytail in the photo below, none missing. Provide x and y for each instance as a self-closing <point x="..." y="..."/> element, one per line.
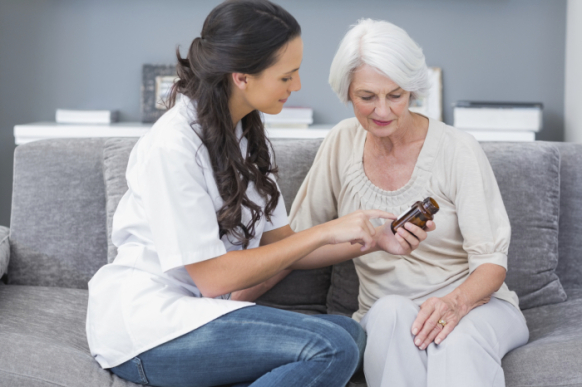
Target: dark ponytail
<point x="238" y="36"/>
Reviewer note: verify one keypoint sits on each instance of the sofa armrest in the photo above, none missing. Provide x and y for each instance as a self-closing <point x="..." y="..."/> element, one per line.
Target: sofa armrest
<point x="4" y="250"/>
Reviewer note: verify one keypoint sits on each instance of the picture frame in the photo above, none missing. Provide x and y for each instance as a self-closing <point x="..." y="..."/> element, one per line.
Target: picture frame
<point x="157" y="81"/>
<point x="431" y="105"/>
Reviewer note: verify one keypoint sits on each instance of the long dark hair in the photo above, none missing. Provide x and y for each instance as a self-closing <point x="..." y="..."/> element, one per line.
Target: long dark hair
<point x="238" y="36"/>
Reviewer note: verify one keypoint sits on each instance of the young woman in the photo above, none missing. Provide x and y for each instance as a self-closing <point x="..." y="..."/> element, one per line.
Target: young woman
<point x="203" y="218"/>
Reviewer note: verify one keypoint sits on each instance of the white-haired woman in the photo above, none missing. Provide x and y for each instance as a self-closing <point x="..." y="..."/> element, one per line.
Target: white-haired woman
<point x="441" y="315"/>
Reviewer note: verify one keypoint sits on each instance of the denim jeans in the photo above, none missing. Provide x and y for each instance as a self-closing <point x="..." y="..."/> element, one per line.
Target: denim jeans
<point x="255" y="346"/>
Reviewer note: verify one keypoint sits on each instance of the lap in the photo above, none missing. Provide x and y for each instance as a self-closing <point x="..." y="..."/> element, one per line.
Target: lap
<point x="497" y="322"/>
<point x="245" y="344"/>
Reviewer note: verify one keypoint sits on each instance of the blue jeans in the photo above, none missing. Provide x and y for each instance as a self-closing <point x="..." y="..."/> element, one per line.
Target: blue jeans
<point x="255" y="346"/>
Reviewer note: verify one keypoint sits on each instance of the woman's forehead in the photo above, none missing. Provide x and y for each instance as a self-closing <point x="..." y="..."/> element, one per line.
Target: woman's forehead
<point x="368" y="78"/>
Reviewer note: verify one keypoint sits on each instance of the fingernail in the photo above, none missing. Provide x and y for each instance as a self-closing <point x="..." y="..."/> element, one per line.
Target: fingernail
<point x="423" y="346"/>
<point x="417" y="342"/>
<point x="437" y="341"/>
<point x="415" y="331"/>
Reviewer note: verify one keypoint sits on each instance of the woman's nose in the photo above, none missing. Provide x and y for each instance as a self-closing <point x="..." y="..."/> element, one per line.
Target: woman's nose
<point x="296" y="83"/>
<point x="382" y="108"/>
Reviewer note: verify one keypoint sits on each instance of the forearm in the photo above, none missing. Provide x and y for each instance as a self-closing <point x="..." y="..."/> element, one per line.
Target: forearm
<point x="478" y="288"/>
<point x="243" y="269"/>
<point x="329" y="255"/>
<point x="252" y="293"/>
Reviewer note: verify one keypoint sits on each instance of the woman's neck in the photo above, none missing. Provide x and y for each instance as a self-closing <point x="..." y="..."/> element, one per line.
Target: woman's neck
<point x="412" y="130"/>
<point x="238" y="106"/>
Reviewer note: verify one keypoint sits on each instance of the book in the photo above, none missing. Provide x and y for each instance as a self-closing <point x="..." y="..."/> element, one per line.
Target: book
<point x="290" y="118"/>
<point x="498" y="116"/>
<point x="64" y="116"/>
<point x="503" y="135"/>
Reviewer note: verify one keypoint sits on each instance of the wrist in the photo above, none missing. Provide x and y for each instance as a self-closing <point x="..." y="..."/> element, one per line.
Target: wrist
<point x="460" y="301"/>
<point x="322" y="234"/>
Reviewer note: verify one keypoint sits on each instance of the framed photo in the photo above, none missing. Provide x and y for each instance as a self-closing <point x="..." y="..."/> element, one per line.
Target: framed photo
<point x="157" y="81"/>
<point x="432" y="104"/>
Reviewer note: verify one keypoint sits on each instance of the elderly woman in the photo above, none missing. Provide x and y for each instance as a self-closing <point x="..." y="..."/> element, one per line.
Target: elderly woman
<point x="442" y="314"/>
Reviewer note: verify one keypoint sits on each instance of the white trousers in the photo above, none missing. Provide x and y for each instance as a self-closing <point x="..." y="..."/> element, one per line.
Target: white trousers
<point x="470" y="356"/>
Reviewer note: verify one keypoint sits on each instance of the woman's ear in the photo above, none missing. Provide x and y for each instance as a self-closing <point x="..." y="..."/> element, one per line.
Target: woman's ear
<point x="239" y="80"/>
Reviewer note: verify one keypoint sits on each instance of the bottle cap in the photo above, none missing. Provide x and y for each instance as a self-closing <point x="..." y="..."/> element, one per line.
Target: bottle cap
<point x="430" y="205"/>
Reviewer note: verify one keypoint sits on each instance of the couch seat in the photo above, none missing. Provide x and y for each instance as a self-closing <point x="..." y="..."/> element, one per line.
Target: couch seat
<point x="42" y="331"/>
<point x="553" y="355"/>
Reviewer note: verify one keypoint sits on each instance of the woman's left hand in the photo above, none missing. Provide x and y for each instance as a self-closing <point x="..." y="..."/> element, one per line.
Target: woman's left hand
<point x="405" y="240"/>
<point x="427" y="328"/>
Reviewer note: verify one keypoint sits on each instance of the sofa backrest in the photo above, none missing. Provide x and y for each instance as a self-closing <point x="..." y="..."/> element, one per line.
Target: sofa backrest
<point x="58" y="227"/>
<point x="570" y="237"/>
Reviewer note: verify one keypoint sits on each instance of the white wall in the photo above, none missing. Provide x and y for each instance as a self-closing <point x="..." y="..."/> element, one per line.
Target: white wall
<point x="573" y="84"/>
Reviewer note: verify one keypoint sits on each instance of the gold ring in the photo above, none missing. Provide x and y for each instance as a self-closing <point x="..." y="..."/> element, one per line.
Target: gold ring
<point x="442" y="323"/>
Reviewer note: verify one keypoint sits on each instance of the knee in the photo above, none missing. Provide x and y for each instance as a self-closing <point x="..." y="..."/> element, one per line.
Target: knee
<point x="390" y="310"/>
<point x="336" y="346"/>
<point x="457" y="342"/>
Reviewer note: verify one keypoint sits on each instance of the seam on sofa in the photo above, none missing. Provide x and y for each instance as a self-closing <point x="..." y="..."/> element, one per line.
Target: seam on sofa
<point x="34" y="378"/>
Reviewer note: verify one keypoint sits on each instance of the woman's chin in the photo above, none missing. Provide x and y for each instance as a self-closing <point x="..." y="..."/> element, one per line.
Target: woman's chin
<point x="272" y="109"/>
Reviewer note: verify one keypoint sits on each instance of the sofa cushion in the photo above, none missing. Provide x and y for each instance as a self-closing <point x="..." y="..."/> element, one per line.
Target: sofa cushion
<point x="115" y="158"/>
<point x="302" y="290"/>
<point x="552" y="355"/>
<point x="570" y="243"/>
<point x="57" y="230"/>
<point x="4" y="250"/>
<point x="42" y="334"/>
<point x="528" y="175"/>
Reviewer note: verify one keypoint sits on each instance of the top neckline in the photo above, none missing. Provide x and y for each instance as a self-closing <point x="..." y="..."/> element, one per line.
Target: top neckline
<point x="412" y="190"/>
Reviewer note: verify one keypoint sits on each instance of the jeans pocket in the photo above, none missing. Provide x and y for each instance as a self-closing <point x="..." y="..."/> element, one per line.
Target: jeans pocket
<point x="139" y="365"/>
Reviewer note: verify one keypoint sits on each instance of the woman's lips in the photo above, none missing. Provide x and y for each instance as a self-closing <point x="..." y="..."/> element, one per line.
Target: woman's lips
<point x="283" y="100"/>
<point x="382" y="123"/>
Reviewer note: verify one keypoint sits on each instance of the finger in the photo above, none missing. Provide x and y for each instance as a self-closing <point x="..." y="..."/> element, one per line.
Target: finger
<point x="425" y="311"/>
<point x="430" y="226"/>
<point x="445" y="332"/>
<point x="368" y="243"/>
<point x="371" y="227"/>
<point x="416" y="231"/>
<point x="372" y="214"/>
<point x="410" y="238"/>
<point x="403" y="243"/>
<point x="429" y="325"/>
<point x="436" y="330"/>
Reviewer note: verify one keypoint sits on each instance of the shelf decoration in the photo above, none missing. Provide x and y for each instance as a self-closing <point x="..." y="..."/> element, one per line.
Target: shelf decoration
<point x="157" y="81"/>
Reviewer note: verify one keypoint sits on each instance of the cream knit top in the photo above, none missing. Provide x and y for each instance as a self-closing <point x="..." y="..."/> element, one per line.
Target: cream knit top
<point x="472" y="224"/>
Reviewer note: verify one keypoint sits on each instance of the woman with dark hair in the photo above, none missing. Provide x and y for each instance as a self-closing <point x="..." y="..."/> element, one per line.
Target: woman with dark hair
<point x="203" y="229"/>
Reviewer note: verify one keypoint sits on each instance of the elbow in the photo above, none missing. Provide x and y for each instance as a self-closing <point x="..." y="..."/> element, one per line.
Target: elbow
<point x="209" y="291"/>
<point x="209" y="286"/>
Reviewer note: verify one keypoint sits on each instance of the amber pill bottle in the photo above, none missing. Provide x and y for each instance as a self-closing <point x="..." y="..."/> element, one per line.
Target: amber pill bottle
<point x="418" y="214"/>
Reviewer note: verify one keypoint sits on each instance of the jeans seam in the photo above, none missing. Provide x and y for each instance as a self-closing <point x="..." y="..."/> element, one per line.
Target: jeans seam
<point x="144" y="380"/>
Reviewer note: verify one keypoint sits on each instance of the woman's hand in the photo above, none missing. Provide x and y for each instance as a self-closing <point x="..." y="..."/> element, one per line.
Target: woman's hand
<point x="405" y="240"/>
<point x="435" y="312"/>
<point x="355" y="228"/>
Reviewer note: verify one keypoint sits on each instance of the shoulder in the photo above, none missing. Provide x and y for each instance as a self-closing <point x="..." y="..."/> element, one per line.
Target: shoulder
<point x="457" y="144"/>
<point x="174" y="132"/>
<point x="343" y="135"/>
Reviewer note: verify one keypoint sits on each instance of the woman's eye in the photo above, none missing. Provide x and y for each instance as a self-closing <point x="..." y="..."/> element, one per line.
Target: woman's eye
<point x="286" y="79"/>
<point x="366" y="98"/>
<point x="396" y="96"/>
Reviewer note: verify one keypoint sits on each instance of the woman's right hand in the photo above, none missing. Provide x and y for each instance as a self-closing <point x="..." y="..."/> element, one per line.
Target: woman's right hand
<point x="355" y="228"/>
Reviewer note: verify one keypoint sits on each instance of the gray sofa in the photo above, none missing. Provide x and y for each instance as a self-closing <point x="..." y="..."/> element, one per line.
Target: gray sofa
<point x="65" y="192"/>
